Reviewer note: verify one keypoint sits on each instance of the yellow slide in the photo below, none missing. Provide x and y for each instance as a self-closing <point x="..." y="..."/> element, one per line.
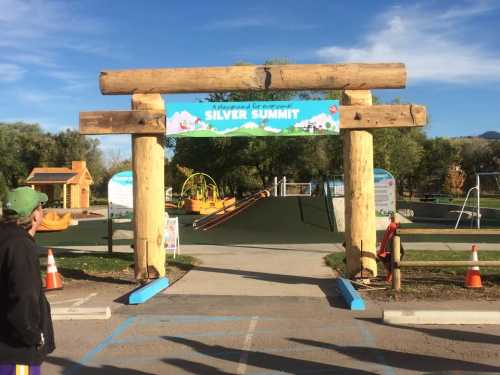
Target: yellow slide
<point x="53" y="222"/>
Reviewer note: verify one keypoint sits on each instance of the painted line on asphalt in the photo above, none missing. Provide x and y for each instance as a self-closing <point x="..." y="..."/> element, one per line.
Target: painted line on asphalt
<point x="369" y="340"/>
<point x="242" y="366"/>
<point x="85" y="299"/>
<point x="89" y="356"/>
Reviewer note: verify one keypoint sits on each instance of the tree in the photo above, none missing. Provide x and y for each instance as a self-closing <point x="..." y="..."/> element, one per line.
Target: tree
<point x="22" y="147"/>
<point x="71" y="145"/>
<point x="454" y="180"/>
<point x="25" y="146"/>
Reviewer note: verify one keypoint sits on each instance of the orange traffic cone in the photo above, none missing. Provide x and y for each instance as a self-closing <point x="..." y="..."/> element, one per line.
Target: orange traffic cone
<point x="53" y="280"/>
<point x="473" y="278"/>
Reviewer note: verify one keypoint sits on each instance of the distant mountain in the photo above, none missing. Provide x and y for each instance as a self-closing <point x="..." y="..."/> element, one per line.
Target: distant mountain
<point x="490" y="135"/>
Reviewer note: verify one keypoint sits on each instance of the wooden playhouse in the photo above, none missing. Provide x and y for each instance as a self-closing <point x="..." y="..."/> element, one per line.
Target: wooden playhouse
<point x="69" y="186"/>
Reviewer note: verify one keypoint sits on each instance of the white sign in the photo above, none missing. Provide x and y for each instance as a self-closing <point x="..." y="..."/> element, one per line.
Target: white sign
<point x="121" y="195"/>
<point x="385" y="192"/>
<point x="172" y="234"/>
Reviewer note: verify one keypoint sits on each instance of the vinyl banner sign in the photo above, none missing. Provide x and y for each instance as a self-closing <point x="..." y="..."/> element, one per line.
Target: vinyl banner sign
<point x="253" y="119"/>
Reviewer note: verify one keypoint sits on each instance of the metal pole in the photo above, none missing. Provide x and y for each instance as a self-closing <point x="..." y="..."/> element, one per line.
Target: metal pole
<point x="478" y="203"/>
<point x="301" y="210"/>
<point x="284" y="186"/>
<point x="328" y="206"/>
<point x="110" y="235"/>
<point x="463" y="207"/>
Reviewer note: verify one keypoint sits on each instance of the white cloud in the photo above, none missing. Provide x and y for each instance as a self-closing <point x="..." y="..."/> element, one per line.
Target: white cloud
<point x="427" y="42"/>
<point x="27" y="58"/>
<point x="34" y="33"/>
<point x="38" y="97"/>
<point x="11" y="72"/>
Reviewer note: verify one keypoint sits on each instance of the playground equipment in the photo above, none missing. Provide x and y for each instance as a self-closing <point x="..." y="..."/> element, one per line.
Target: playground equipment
<point x="229" y="211"/>
<point x="477" y="187"/>
<point x="52" y="222"/>
<point x="200" y="194"/>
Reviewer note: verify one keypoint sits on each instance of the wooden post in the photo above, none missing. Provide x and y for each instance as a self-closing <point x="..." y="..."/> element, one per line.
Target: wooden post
<point x="395" y="259"/>
<point x="359" y="194"/>
<point x="64" y="195"/>
<point x="148" y="158"/>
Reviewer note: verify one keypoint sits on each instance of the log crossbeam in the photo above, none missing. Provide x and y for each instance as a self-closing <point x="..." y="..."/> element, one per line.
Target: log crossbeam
<point x="122" y="122"/>
<point x="254" y="78"/>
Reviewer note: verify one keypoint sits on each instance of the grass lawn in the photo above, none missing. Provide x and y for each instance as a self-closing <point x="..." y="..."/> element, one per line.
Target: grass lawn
<point x="434" y="283"/>
<point x="120" y="265"/>
<point x="485" y="202"/>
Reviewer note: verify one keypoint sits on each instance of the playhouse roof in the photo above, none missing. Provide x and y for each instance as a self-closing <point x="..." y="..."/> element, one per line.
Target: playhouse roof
<point x="77" y="174"/>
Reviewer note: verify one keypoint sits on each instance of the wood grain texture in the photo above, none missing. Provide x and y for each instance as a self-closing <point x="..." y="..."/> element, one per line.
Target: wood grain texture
<point x="149" y="195"/>
<point x="382" y="116"/>
<point x="359" y="193"/>
<point x="254" y="78"/>
<point x="123" y="122"/>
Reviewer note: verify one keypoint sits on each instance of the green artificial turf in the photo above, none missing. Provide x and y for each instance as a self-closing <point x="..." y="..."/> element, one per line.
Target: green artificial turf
<point x="485" y="202"/>
<point x="269" y="221"/>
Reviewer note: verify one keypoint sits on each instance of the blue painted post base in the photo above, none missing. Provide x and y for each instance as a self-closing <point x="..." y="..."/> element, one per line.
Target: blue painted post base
<point x="351" y="296"/>
<point x="147" y="291"/>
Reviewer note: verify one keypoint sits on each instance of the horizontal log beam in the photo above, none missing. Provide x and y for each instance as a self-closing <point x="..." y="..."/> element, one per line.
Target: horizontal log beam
<point x="254" y="78"/>
<point x="122" y="122"/>
<point x="447" y="263"/>
<point x="449" y="231"/>
<point x="382" y="116"/>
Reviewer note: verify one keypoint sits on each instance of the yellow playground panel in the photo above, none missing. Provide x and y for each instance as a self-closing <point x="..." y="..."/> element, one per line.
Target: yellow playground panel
<point x="201" y="195"/>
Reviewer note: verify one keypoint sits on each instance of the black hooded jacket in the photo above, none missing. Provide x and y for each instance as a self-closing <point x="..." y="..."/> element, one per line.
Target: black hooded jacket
<point x="24" y="310"/>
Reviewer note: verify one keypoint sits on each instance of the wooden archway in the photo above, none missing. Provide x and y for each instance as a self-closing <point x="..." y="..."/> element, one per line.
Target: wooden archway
<point x="146" y="123"/>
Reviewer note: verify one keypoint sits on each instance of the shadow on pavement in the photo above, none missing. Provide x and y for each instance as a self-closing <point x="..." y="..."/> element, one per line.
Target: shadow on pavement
<point x="253" y="358"/>
<point x="74" y="368"/>
<point x="408" y="361"/>
<point x="327" y="286"/>
<point x="445" y="333"/>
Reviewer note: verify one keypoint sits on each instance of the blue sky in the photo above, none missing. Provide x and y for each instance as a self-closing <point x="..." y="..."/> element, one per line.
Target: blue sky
<point x="51" y="52"/>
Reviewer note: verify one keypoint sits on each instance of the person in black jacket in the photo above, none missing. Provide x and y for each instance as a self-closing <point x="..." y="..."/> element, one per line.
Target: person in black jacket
<point x="26" y="333"/>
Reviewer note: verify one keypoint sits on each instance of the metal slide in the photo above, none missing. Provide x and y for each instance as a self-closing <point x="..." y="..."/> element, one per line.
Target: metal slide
<point x="217" y="218"/>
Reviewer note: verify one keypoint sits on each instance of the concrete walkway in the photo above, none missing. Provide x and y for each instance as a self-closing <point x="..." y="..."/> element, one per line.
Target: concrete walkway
<point x="257" y="271"/>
